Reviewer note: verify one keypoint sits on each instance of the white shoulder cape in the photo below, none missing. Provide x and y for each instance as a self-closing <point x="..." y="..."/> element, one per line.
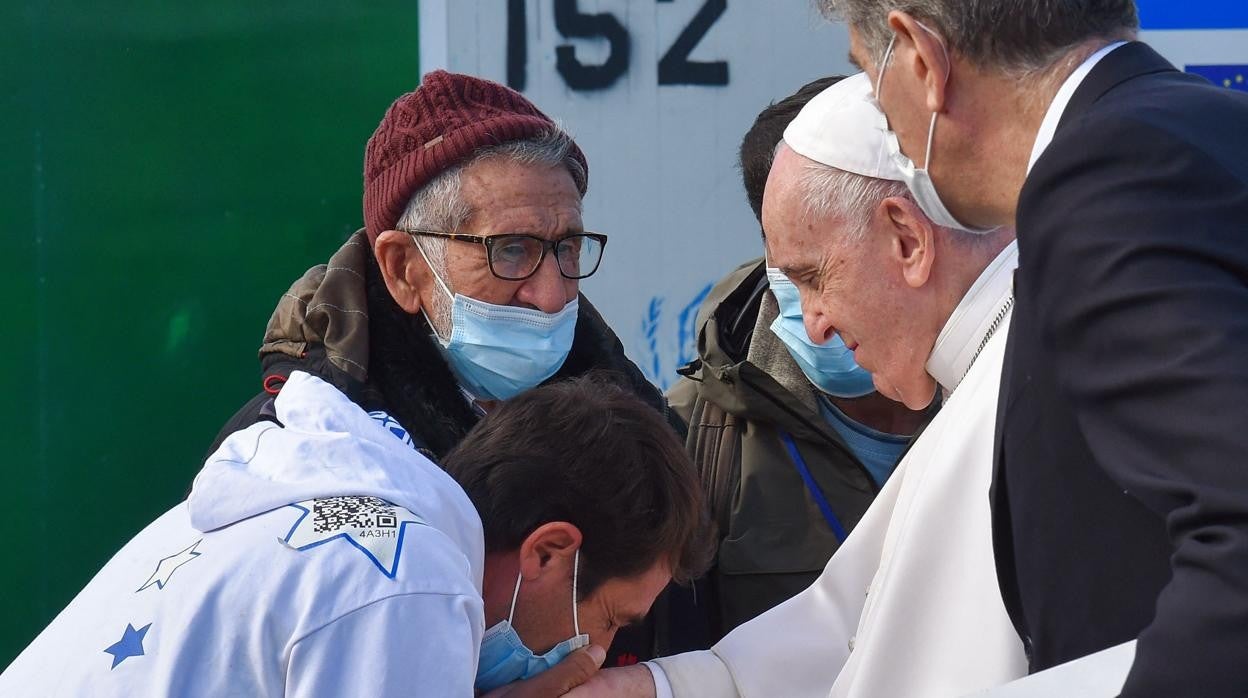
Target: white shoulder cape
<point x="909" y="605"/>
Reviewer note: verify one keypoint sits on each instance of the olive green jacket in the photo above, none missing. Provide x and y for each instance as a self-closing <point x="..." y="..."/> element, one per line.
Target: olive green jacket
<point x="739" y="397"/>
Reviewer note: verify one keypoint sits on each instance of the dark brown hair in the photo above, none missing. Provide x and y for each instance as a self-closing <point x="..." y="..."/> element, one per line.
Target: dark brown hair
<point x="758" y="148"/>
<point x="588" y="452"/>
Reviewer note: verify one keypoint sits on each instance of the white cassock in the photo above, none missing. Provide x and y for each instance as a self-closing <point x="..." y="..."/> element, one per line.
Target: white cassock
<point x="909" y="606"/>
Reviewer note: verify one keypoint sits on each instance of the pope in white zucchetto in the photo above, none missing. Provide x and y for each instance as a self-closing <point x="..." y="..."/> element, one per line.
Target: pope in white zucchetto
<point x="909" y="605"/>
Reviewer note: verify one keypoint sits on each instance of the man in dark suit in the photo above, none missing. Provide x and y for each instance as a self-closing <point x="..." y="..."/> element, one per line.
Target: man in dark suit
<point x="1120" y="495"/>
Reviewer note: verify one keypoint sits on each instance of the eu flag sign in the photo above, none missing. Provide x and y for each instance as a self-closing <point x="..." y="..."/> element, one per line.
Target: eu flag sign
<point x="1232" y="76"/>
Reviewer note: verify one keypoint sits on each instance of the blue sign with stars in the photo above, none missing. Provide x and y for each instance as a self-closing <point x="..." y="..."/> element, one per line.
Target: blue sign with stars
<point x="1232" y="76"/>
<point x="130" y="644"/>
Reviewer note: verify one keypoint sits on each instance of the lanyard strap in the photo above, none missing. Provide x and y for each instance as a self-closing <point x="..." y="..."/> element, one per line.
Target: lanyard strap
<point x="815" y="492"/>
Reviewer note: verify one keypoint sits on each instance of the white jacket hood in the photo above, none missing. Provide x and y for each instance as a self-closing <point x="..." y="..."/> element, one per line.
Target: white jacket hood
<point x="327" y="446"/>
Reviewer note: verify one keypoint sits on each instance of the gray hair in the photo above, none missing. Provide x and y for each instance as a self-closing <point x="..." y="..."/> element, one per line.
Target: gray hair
<point x="439" y="205"/>
<point x="851" y="198"/>
<point x="1016" y="37"/>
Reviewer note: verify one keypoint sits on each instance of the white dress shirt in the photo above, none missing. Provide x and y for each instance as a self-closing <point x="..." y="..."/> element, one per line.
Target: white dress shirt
<point x="1048" y="127"/>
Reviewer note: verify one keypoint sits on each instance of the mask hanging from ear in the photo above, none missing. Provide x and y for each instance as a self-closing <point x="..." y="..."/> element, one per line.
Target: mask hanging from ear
<point x="917" y="179"/>
<point x="505" y="658"/>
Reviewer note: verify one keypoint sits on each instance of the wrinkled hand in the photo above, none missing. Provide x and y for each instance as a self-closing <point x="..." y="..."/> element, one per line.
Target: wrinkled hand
<point x="574" y="670"/>
<point x="626" y="682"/>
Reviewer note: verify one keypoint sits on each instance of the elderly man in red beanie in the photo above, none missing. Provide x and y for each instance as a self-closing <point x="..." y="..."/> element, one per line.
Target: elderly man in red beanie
<point x="462" y="288"/>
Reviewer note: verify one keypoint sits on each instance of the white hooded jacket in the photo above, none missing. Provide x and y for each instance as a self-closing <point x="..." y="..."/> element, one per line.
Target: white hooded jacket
<point x="318" y="556"/>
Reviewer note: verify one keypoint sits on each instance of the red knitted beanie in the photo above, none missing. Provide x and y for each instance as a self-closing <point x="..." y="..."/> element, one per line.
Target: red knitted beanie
<point x="425" y="132"/>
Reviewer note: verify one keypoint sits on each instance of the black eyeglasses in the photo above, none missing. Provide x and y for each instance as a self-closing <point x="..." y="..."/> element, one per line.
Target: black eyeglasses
<point x="516" y="256"/>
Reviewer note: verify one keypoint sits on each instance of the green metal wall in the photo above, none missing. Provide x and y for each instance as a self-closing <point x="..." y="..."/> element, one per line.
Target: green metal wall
<point x="166" y="169"/>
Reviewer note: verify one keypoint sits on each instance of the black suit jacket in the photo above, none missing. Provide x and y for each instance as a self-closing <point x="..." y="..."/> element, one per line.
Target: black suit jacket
<point x="1120" y="498"/>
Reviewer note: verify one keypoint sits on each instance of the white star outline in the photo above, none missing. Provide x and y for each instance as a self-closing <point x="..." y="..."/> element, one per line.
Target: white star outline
<point x="383" y="552"/>
<point x="167" y="566"/>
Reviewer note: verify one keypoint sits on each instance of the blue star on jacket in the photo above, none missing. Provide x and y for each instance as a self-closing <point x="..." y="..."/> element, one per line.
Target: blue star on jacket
<point x="130" y="645"/>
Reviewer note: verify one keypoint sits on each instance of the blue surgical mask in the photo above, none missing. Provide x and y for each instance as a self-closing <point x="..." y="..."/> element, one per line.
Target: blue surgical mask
<point x="830" y="367"/>
<point x="504" y="658"/>
<point x="500" y="351"/>
<point x="917" y="179"/>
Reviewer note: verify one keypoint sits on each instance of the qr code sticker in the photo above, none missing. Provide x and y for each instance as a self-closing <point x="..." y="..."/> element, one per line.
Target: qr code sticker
<point x="334" y="513"/>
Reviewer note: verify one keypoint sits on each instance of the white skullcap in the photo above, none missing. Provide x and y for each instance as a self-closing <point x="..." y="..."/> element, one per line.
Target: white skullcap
<point x="843" y="127"/>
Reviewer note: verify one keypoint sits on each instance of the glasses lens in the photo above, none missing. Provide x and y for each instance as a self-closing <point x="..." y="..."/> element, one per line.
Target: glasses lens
<point x="514" y="256"/>
<point x="579" y="256"/>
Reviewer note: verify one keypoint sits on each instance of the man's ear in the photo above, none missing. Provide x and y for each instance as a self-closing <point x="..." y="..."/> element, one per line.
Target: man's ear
<point x="403" y="269"/>
<point x="550" y="547"/>
<point x="924" y="54"/>
<point x="912" y="244"/>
